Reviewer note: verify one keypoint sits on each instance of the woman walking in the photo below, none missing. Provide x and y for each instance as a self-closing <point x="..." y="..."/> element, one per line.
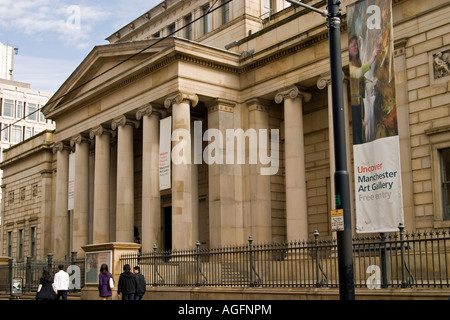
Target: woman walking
<point x="104" y="279"/>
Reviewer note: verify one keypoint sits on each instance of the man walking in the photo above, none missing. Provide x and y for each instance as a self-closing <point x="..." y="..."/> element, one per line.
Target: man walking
<point x="127" y="284"/>
<point x="140" y="283"/>
<point x="61" y="283"/>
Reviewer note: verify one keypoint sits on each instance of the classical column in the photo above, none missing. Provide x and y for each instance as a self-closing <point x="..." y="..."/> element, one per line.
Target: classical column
<point x="183" y="229"/>
<point x="322" y="82"/>
<point x="260" y="196"/>
<point x="151" y="198"/>
<point x="294" y="146"/>
<point x="101" y="222"/>
<point x="223" y="227"/>
<point x="80" y="227"/>
<point x="61" y="244"/>
<point x="125" y="179"/>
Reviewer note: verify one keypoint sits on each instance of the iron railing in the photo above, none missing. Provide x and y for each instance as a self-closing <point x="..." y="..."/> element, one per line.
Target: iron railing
<point x="380" y="261"/>
<point x="30" y="271"/>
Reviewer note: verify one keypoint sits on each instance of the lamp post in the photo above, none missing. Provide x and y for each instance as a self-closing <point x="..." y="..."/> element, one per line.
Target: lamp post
<point x="341" y="176"/>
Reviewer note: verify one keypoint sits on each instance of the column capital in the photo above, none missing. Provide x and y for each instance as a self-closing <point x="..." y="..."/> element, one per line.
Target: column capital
<point x="150" y="110"/>
<point x="292" y="93"/>
<point x="219" y="104"/>
<point x="325" y="80"/>
<point x="98" y="131"/>
<point x="179" y="97"/>
<point x="258" y="104"/>
<point x="123" y="121"/>
<point x="80" y="138"/>
<point x="60" y="146"/>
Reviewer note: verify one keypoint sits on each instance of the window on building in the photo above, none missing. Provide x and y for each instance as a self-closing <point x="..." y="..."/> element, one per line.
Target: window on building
<point x="206" y="19"/>
<point x="268" y="9"/>
<point x="41" y="117"/>
<point x="16" y="134"/>
<point x="10" y="244"/>
<point x="28" y="133"/>
<point x="171" y="29"/>
<point x="31" y="111"/>
<point x="19" y="110"/>
<point x="225" y="11"/>
<point x="21" y="244"/>
<point x="156" y="35"/>
<point x="188" y="24"/>
<point x="445" y="169"/>
<point x="8" y="108"/>
<point x="33" y="242"/>
<point x="5" y="132"/>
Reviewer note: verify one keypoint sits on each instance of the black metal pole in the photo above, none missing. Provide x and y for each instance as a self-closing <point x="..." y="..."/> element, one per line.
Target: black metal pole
<point x="341" y="176"/>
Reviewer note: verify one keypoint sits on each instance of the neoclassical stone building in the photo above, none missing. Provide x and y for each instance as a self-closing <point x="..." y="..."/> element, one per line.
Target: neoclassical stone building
<point x="248" y="65"/>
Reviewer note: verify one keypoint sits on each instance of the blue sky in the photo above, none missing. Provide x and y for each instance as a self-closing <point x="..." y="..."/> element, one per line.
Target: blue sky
<point x="54" y="36"/>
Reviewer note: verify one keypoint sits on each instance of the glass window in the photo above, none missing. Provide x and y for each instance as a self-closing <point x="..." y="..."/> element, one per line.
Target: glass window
<point x="28" y="133"/>
<point x="9" y="243"/>
<point x="206" y="19"/>
<point x="41" y="117"/>
<point x="19" y="110"/>
<point x="21" y="244"/>
<point x="445" y="165"/>
<point x="225" y="11"/>
<point x="16" y="134"/>
<point x="5" y="132"/>
<point x="31" y="111"/>
<point x="188" y="24"/>
<point x="171" y="29"/>
<point x="33" y="242"/>
<point x="8" y="108"/>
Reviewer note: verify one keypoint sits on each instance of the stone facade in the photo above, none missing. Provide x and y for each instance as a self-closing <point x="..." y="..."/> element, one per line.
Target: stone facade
<point x="244" y="73"/>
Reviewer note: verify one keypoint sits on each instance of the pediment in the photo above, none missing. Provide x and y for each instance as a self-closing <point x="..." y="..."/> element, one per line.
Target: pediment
<point x="103" y="66"/>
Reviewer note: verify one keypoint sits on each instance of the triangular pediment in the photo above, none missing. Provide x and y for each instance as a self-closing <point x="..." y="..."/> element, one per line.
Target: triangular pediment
<point x="103" y="66"/>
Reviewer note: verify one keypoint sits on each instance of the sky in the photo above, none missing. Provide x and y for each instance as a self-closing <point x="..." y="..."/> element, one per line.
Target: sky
<point x="54" y="36"/>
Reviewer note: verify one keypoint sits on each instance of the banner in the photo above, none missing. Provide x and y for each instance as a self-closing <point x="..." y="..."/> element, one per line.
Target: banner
<point x="379" y="204"/>
<point x="71" y="184"/>
<point x="165" y="147"/>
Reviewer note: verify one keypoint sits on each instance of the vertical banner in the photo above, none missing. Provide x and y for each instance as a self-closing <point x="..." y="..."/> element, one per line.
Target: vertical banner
<point x="379" y="204"/>
<point x="71" y="183"/>
<point x="165" y="146"/>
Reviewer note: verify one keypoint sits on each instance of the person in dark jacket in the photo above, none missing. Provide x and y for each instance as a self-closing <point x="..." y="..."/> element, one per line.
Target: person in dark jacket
<point x="127" y="284"/>
<point x="45" y="290"/>
<point x="140" y="283"/>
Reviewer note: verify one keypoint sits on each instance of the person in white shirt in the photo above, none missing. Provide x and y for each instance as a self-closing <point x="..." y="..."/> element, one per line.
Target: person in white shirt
<point x="61" y="283"/>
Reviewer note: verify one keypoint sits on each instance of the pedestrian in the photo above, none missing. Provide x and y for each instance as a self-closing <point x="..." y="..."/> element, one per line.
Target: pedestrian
<point x="105" y="282"/>
<point x="45" y="290"/>
<point x="140" y="283"/>
<point x="61" y="283"/>
<point x="127" y="284"/>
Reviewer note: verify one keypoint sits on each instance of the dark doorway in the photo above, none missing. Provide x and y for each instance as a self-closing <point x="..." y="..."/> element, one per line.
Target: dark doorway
<point x="167" y="228"/>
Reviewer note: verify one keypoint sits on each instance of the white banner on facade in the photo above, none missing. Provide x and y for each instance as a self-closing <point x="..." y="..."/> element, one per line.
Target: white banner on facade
<point x="71" y="183"/>
<point x="379" y="205"/>
<point x="378" y="186"/>
<point x="165" y="147"/>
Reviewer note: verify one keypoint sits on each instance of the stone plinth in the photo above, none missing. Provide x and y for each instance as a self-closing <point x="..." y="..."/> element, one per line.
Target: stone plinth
<point x="90" y="291"/>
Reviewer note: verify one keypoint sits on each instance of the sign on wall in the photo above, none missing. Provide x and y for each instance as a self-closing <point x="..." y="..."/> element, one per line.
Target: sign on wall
<point x="165" y="147"/>
<point x="94" y="261"/>
<point x="71" y="186"/>
<point x="379" y="204"/>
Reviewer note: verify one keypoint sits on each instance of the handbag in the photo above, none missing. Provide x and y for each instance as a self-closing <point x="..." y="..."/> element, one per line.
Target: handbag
<point x="39" y="288"/>
<point x="111" y="283"/>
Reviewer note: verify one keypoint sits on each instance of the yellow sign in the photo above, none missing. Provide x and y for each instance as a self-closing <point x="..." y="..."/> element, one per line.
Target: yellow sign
<point x="337" y="220"/>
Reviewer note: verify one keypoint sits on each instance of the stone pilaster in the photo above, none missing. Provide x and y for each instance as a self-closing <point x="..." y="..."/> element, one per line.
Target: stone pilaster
<point x="151" y="198"/>
<point x="80" y="224"/>
<point x="183" y="228"/>
<point x="61" y="222"/>
<point x="296" y="199"/>
<point x="125" y="179"/>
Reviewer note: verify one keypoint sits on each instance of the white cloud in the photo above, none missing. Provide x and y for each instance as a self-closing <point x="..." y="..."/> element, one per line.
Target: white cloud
<point x="72" y="24"/>
<point x="46" y="74"/>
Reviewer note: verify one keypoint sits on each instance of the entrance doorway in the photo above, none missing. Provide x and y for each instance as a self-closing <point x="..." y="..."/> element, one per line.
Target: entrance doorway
<point x="167" y="228"/>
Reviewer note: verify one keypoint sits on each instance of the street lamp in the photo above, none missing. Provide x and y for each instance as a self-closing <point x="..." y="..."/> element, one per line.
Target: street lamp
<point x="341" y="176"/>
